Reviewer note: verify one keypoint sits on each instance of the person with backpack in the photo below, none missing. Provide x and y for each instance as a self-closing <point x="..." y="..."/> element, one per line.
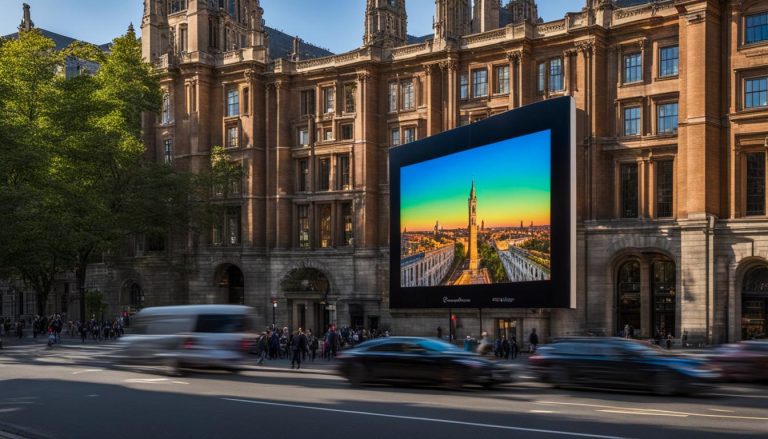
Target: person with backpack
<point x="314" y="345"/>
<point x="298" y="345"/>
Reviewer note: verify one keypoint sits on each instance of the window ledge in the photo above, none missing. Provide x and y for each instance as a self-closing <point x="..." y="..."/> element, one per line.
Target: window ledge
<point x="748" y="47"/>
<point x="749" y="113"/>
<point x="498" y="95"/>
<point x="233" y="118"/>
<point x="632" y="84"/>
<point x="667" y="78"/>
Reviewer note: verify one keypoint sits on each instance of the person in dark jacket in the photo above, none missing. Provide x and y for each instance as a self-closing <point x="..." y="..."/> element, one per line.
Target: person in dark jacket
<point x="533" y="340"/>
<point x="299" y="345"/>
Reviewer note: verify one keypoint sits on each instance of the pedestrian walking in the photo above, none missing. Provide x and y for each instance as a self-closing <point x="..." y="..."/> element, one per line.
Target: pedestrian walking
<point x="533" y="341"/>
<point x="299" y="345"/>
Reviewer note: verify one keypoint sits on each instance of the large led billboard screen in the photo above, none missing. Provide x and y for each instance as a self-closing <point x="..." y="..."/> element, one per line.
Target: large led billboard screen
<point x="483" y="215"/>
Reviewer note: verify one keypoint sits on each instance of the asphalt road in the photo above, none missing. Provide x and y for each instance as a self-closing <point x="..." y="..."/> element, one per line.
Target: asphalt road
<point x="76" y="392"/>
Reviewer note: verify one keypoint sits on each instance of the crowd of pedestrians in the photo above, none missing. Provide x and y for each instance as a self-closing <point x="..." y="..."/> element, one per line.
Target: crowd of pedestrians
<point x="53" y="327"/>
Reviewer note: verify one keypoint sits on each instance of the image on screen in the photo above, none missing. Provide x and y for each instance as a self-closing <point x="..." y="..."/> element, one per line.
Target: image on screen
<point x="480" y="216"/>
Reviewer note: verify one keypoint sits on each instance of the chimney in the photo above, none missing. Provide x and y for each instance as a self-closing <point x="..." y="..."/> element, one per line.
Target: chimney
<point x="26" y="22"/>
<point x="296" y="55"/>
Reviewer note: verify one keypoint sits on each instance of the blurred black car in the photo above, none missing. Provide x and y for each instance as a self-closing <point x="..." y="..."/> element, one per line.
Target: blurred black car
<point x="418" y="360"/>
<point x="617" y="363"/>
<point x="745" y="361"/>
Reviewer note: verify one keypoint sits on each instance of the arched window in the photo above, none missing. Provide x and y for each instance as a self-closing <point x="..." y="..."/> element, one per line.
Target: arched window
<point x="166" y="114"/>
<point x="628" y="297"/>
<point x="754" y="303"/>
<point x="664" y="297"/>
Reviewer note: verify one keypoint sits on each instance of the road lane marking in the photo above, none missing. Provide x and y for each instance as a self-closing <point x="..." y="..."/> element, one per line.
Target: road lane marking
<point x="721" y="410"/>
<point x="86" y="371"/>
<point x="541" y="411"/>
<point x="418" y="418"/>
<point x="738" y="396"/>
<point x="641" y="411"/>
<point x="146" y="380"/>
<point x="633" y="412"/>
<point x="10" y="409"/>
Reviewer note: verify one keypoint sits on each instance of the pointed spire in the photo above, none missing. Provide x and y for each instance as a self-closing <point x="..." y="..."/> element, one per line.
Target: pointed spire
<point x="26" y="22"/>
<point x="472" y="191"/>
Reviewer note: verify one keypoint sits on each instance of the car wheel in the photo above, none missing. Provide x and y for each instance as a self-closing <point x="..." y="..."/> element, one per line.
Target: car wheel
<point x="453" y="379"/>
<point x="356" y="375"/>
<point x="560" y="377"/>
<point x="665" y="384"/>
<point x="173" y="367"/>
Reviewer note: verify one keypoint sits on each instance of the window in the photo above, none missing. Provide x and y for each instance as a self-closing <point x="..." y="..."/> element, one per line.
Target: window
<point x="755" y="183"/>
<point x="246" y="98"/>
<point x="541" y="74"/>
<point x="346" y="224"/>
<point x="166" y="112"/>
<point x="633" y="68"/>
<point x="233" y="225"/>
<point x="668" y="118"/>
<point x="307" y="102"/>
<point x="664" y="188"/>
<point x="669" y="61"/>
<point x="409" y="135"/>
<point x="632" y="121"/>
<point x="178" y="5"/>
<point x="347" y="131"/>
<point x="183" y="38"/>
<point x="479" y="83"/>
<point x="327" y="134"/>
<point x="343" y="172"/>
<point x="349" y="97"/>
<point x="233" y="102"/>
<point x="406" y="98"/>
<point x="216" y="238"/>
<point x="303" y="226"/>
<point x="501" y="77"/>
<point x="324" y="176"/>
<point x="328" y="100"/>
<point x="303" y="137"/>
<point x="232" y="137"/>
<point x="556" y="74"/>
<point x="756" y="92"/>
<point x="394" y="136"/>
<point x="392" y="96"/>
<point x="629" y="190"/>
<point x="231" y="7"/>
<point x="168" y="151"/>
<point x="756" y="27"/>
<point x="463" y="86"/>
<point x="303" y="175"/>
<point x="325" y="226"/>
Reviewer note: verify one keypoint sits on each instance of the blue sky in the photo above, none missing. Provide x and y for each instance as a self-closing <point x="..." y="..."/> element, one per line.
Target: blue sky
<point x="512" y="183"/>
<point x="333" y="24"/>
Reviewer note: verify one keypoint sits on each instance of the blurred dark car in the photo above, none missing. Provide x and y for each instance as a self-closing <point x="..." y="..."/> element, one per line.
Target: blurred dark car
<point x="617" y="363"/>
<point x="418" y="360"/>
<point x="745" y="361"/>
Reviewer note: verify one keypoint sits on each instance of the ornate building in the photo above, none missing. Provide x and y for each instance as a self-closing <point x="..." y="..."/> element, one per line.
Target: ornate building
<point x="672" y="128"/>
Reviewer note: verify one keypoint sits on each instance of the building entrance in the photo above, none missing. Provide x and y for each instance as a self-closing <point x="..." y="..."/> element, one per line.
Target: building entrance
<point x="754" y="304"/>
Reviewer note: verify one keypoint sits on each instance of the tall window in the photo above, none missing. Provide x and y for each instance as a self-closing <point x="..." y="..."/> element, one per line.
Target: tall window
<point x="347" y="131"/>
<point x="541" y="74"/>
<point x="233" y="225"/>
<point x="756" y="92"/>
<point x="168" y="151"/>
<point x="303" y="136"/>
<point x="633" y="68"/>
<point x="409" y="134"/>
<point x="328" y="100"/>
<point x="664" y="189"/>
<point x="307" y="100"/>
<point x="394" y="137"/>
<point x="303" y="175"/>
<point x="629" y="296"/>
<point x="166" y="110"/>
<point x="669" y="61"/>
<point x="233" y="102"/>
<point x="343" y="172"/>
<point x="324" y="176"/>
<point x="231" y="9"/>
<point x="463" y="86"/>
<point x="303" y="225"/>
<point x="556" y="74"/>
<point x="663" y="296"/>
<point x="326" y="238"/>
<point x="632" y="121"/>
<point x="479" y="83"/>
<point x="349" y="97"/>
<point x="346" y="224"/>
<point x="501" y="79"/>
<point x="406" y="94"/>
<point x="756" y="27"/>
<point x="667" y="118"/>
<point x="392" y="96"/>
<point x="629" y="190"/>
<point x="246" y="99"/>
<point x="755" y="183"/>
<point x="183" y="38"/>
<point x="232" y="137"/>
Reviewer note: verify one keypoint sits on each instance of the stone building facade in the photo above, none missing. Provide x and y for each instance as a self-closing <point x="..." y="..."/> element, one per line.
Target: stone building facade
<point x="672" y="130"/>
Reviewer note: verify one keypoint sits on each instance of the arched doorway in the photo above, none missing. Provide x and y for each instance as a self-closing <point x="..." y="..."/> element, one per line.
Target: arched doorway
<point x="306" y="290"/>
<point x="231" y="283"/>
<point x="135" y="295"/>
<point x="663" y="297"/>
<point x="628" y="289"/>
<point x="754" y="303"/>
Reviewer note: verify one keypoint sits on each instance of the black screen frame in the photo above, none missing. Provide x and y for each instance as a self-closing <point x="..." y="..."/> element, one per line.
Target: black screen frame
<point x="556" y="115"/>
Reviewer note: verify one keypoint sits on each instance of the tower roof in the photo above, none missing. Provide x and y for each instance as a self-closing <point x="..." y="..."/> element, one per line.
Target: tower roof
<point x="472" y="191"/>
